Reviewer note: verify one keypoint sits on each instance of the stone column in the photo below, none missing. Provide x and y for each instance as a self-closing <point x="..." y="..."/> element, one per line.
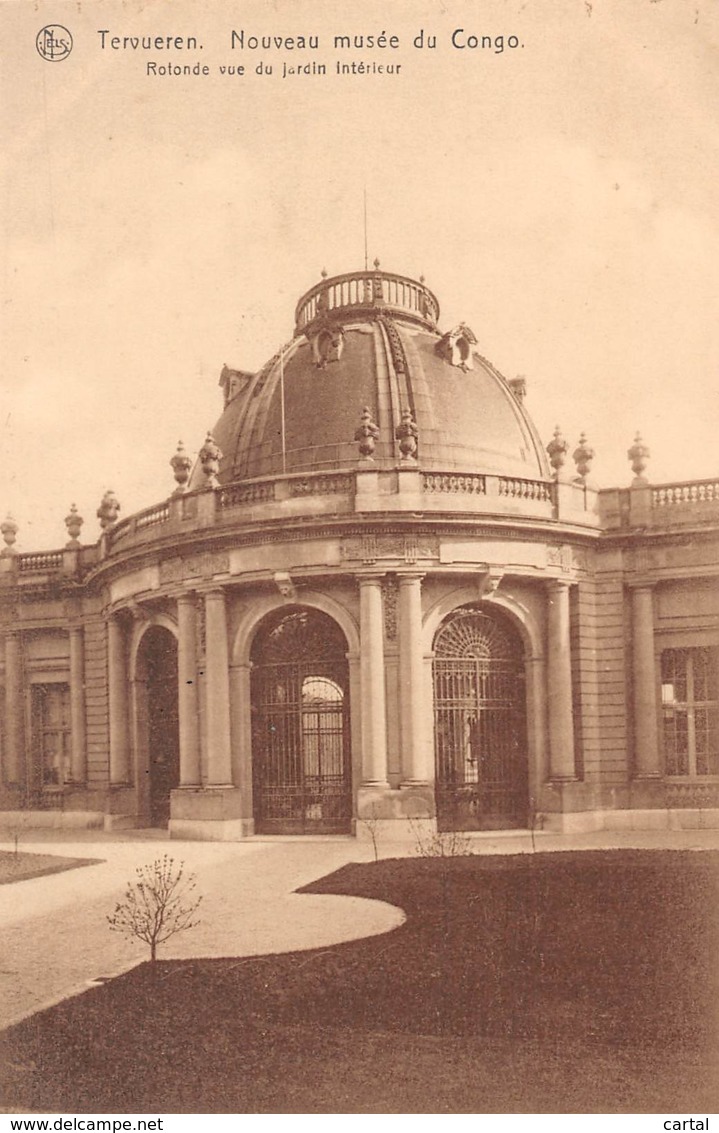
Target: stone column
<point x="219" y="755"/>
<point x="78" y="757"/>
<point x="646" y="731"/>
<point x="559" y="684"/>
<point x="118" y="689"/>
<point x="187" y="698"/>
<point x="14" y="716"/>
<point x="372" y="680"/>
<point x="415" y="728"/>
<point x="241" y="732"/>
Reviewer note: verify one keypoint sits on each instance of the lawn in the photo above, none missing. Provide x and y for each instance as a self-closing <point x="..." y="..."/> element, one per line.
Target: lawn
<point x="574" y="982"/>
<point x="20" y="866"/>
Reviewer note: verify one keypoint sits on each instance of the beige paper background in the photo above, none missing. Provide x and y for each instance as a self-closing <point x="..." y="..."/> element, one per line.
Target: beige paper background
<point x="559" y="197"/>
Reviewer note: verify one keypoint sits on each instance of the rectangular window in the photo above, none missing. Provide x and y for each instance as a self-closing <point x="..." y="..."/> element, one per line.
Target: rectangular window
<point x="690" y="710"/>
<point x="51" y="733"/>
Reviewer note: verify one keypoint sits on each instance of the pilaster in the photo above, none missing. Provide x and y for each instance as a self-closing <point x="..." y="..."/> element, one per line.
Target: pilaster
<point x="14" y="717"/>
<point x="559" y="683"/>
<point x="188" y="701"/>
<point x="78" y="757"/>
<point x="644" y="678"/>
<point x="219" y="756"/>
<point x="118" y="696"/>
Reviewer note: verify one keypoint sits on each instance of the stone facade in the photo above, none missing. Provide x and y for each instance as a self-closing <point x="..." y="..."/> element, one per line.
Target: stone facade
<point x="504" y="644"/>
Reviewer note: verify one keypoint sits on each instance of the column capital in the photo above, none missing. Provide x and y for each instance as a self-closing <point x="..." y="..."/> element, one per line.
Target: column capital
<point x="405" y="577"/>
<point x="186" y="597"/>
<point x="119" y="613"/>
<point x="638" y="585"/>
<point x="212" y="592"/>
<point x="362" y="578"/>
<point x="559" y="584"/>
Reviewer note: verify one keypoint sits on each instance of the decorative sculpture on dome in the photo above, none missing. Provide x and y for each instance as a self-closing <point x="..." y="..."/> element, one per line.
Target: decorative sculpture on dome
<point x="407" y="434"/>
<point x="456" y="347"/>
<point x="233" y="381"/>
<point x="9" y="529"/>
<point x="557" y="449"/>
<point x="639" y="455"/>
<point x="108" y="510"/>
<point x="210" y="456"/>
<point x="367" y="435"/>
<point x="518" y="387"/>
<point x="181" y="464"/>
<point x="583" y="456"/>
<point x="73" y="523"/>
<point x="327" y="343"/>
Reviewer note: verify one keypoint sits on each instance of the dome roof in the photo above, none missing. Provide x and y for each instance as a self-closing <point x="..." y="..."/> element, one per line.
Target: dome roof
<point x="371" y="339"/>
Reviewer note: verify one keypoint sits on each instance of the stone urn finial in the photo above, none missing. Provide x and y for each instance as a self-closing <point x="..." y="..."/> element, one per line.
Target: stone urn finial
<point x="181" y="464"/>
<point x="9" y="529"/>
<point x="557" y="449"/>
<point x="73" y="523"/>
<point x="108" y="510"/>
<point x="210" y="456"/>
<point x="407" y="434"/>
<point x="583" y="456"/>
<point x="638" y="454"/>
<point x="367" y="435"/>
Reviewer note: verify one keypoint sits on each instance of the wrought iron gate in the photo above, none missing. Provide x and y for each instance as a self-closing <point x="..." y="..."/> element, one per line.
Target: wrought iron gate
<point x="480" y="724"/>
<point x="300" y="742"/>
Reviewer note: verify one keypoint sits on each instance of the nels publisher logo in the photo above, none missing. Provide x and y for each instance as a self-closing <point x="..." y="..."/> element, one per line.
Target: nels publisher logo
<point x="54" y="42"/>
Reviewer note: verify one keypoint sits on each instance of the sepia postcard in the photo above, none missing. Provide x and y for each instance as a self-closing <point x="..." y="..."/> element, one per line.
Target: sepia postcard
<point x="359" y="617"/>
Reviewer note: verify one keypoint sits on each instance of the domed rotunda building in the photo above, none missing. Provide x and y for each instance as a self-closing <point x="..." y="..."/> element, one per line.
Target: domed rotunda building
<point x="377" y="596"/>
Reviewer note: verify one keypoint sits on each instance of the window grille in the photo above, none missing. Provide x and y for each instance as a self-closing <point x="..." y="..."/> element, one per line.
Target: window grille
<point x="51" y="734"/>
<point x="690" y="710"/>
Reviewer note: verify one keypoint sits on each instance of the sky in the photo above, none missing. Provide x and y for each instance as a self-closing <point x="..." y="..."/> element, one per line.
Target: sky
<point x="560" y="197"/>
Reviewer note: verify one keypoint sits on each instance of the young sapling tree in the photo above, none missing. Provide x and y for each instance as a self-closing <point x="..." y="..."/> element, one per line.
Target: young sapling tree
<point x="157" y="905"/>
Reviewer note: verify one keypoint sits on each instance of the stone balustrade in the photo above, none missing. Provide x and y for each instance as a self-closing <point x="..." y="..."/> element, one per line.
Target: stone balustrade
<point x="693" y="492"/>
<point x="152" y="517"/>
<point x="659" y="506"/>
<point x="368" y="489"/>
<point x="42" y="561"/>
<point x="368" y="290"/>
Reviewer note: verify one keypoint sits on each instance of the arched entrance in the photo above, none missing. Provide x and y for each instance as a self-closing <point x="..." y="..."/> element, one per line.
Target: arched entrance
<point x="302" y="780"/>
<point x="480" y="723"/>
<point x="157" y="660"/>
